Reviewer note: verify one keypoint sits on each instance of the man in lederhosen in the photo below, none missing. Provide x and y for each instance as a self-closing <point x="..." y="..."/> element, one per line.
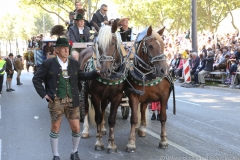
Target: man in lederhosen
<point x="61" y="76"/>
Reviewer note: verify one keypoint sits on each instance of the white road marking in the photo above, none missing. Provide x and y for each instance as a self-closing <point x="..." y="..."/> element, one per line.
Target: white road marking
<point x="186" y="102"/>
<point x="190" y="153"/>
<point x="0" y="149"/>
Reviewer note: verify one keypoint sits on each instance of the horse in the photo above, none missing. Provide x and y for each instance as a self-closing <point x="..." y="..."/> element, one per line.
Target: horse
<point x="109" y="87"/>
<point x="148" y="82"/>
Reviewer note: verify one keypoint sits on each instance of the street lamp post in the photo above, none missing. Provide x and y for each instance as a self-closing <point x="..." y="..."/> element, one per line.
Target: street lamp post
<point x="89" y="10"/>
<point x="194" y="26"/>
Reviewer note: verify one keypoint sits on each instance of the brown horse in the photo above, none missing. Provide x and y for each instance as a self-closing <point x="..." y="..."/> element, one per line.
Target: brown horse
<point x="147" y="75"/>
<point x="109" y="87"/>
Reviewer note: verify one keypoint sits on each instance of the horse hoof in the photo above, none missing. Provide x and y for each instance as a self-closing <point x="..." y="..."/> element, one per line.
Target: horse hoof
<point x="85" y="136"/>
<point x="104" y="132"/>
<point x="99" y="148"/>
<point x="141" y="133"/>
<point x="111" y="150"/>
<point x="130" y="150"/>
<point x="163" y="145"/>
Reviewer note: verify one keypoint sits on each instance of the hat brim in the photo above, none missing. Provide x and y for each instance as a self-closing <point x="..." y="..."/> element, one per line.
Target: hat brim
<point x="122" y="19"/>
<point x="61" y="45"/>
<point x="78" y="19"/>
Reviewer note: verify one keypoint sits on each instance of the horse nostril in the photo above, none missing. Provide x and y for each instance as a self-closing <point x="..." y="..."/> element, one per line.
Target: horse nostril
<point x="108" y="71"/>
<point x="162" y="71"/>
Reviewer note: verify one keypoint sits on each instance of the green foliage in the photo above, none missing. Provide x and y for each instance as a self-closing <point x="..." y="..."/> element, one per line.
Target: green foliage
<point x="7" y="26"/>
<point x="60" y="8"/>
<point x="176" y="14"/>
<point x="39" y="20"/>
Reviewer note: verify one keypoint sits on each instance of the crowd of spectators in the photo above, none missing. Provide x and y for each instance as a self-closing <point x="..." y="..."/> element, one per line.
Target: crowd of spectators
<point x="218" y="53"/>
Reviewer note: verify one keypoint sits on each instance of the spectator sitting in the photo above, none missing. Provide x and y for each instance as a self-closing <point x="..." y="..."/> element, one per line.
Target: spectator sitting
<point x="208" y="68"/>
<point x="195" y="63"/>
<point x="237" y="54"/>
<point x="232" y="71"/>
<point x="223" y="60"/>
<point x="200" y="67"/>
<point x="172" y="65"/>
<point x="179" y="66"/>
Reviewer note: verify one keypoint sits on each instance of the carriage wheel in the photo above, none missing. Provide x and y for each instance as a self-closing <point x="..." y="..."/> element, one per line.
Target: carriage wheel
<point x="125" y="112"/>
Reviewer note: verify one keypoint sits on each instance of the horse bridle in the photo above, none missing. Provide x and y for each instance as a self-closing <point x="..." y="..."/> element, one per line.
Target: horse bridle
<point x="105" y="58"/>
<point x="161" y="57"/>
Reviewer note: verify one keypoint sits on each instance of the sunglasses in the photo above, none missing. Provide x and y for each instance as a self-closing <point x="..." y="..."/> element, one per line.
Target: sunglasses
<point x="104" y="10"/>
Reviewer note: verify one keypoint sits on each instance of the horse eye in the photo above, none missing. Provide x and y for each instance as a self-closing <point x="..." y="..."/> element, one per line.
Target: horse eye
<point x="150" y="47"/>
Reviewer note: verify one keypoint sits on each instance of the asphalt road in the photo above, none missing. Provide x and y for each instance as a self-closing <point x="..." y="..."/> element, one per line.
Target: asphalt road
<point x="206" y="127"/>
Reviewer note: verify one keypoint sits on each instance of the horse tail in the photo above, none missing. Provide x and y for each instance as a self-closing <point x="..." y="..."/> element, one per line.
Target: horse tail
<point x="91" y="113"/>
<point x="174" y="100"/>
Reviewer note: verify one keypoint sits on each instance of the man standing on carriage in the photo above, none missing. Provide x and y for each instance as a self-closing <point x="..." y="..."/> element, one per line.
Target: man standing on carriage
<point x="125" y="32"/>
<point x="61" y="76"/>
<point x="100" y="17"/>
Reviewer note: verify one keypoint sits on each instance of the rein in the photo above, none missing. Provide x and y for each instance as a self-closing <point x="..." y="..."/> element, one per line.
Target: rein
<point x="105" y="58"/>
<point x="144" y="65"/>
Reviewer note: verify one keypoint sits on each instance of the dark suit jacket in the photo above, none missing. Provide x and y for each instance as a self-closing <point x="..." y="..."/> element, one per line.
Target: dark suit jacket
<point x="50" y="72"/>
<point x="208" y="63"/>
<point x="98" y="18"/>
<point x="195" y="63"/>
<point x="74" y="34"/>
<point x="8" y="65"/>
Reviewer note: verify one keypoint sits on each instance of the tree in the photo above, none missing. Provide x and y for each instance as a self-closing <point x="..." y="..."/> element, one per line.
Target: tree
<point x="60" y="8"/>
<point x="176" y="14"/>
<point x="39" y="20"/>
<point x="7" y="28"/>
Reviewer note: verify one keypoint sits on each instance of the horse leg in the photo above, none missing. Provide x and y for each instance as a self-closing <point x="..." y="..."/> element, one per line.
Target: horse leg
<point x="85" y="132"/>
<point x="112" y="148"/>
<point x="103" y="107"/>
<point x="133" y="102"/>
<point x="143" y="124"/>
<point x="98" y="119"/>
<point x="163" y="117"/>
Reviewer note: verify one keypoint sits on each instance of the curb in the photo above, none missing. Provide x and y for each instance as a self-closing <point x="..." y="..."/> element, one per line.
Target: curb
<point x="213" y="88"/>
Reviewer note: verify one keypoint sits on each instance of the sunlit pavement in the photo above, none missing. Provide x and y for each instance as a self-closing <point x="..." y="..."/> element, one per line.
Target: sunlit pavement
<point x="206" y="127"/>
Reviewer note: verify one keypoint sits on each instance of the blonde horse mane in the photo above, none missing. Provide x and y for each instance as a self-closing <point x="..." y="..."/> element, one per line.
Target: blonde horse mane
<point x="105" y="38"/>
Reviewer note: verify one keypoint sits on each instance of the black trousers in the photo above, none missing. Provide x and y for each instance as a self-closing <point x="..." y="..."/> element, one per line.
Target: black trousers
<point x="196" y="77"/>
<point x="1" y="82"/>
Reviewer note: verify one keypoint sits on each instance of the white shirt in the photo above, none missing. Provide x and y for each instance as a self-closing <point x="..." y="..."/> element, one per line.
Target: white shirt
<point x="80" y="30"/>
<point x="12" y="63"/>
<point x="63" y="65"/>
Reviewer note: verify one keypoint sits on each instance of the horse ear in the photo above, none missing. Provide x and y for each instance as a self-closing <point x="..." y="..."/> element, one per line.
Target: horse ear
<point x="149" y="31"/>
<point x="114" y="26"/>
<point x="160" y="32"/>
<point x="96" y="26"/>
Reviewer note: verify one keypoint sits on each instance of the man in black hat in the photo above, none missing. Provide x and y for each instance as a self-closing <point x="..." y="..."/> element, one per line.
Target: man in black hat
<point x="79" y="32"/>
<point x="61" y="76"/>
<point x="100" y="17"/>
<point x="10" y="71"/>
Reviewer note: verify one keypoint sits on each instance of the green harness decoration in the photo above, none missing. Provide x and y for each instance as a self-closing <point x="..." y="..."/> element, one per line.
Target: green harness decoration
<point x="91" y="67"/>
<point x="147" y="83"/>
